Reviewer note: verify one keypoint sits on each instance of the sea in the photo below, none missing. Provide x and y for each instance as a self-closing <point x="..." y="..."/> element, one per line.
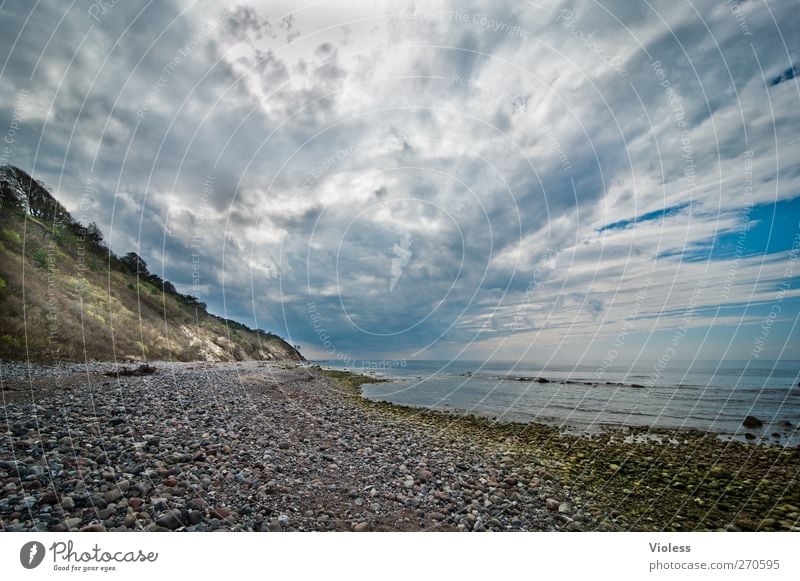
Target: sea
<point x="709" y="396"/>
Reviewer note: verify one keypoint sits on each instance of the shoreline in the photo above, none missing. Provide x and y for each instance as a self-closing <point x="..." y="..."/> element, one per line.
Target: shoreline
<point x="284" y="446"/>
<point x="781" y="433"/>
<point x="700" y="482"/>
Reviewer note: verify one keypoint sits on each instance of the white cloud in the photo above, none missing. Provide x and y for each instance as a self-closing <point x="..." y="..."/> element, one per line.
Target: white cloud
<point x="501" y="137"/>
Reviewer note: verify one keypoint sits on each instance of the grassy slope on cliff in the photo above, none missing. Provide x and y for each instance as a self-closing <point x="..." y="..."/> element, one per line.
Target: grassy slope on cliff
<point x="64" y="295"/>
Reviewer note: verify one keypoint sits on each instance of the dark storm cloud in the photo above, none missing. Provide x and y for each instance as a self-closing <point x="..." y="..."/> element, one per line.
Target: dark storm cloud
<point x="446" y="171"/>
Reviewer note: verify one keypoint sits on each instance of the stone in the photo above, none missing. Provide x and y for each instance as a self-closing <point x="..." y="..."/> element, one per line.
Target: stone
<point x="719" y="473"/>
<point x="49" y="498"/>
<point x="424" y="475"/>
<point x="198" y="504"/>
<point x="220" y="512"/>
<point x="283" y="520"/>
<point x="159" y="503"/>
<point x="752" y="422"/>
<point x="170" y="519"/>
<point x="93" y="528"/>
<point x="552" y="504"/>
<point x="361" y="527"/>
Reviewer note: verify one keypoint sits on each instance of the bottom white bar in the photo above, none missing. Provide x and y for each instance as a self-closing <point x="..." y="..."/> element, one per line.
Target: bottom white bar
<point x="354" y="556"/>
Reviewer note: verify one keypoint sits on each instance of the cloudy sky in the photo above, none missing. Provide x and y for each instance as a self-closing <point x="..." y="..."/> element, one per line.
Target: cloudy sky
<point x="516" y="180"/>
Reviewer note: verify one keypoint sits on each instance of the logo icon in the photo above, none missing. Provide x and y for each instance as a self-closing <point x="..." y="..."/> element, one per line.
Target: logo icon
<point x="402" y="253"/>
<point x="31" y="554"/>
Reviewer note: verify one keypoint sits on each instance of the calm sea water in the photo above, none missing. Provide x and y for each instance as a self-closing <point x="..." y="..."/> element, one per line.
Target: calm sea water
<point x="703" y="395"/>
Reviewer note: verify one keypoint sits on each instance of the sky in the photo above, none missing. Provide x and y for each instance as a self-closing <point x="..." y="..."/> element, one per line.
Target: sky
<point x="574" y="181"/>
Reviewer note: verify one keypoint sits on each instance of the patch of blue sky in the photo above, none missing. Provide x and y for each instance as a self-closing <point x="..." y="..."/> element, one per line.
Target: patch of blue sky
<point x="654" y="215"/>
<point x="767" y="229"/>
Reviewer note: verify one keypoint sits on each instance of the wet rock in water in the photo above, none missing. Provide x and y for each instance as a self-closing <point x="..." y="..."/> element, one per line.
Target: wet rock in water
<point x="752" y="422"/>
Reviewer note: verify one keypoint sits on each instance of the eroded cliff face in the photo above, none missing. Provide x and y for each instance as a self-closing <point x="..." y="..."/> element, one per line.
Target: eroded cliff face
<point x="65" y="296"/>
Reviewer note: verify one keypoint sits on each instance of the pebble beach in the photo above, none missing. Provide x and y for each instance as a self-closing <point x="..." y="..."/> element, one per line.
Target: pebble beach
<point x="257" y="446"/>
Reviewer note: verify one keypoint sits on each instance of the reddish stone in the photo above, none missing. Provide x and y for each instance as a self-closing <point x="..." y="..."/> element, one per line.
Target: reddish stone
<point x="93" y="528"/>
<point x="220" y="512"/>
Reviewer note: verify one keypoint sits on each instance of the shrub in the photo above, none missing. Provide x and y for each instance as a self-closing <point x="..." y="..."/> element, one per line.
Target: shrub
<point x="40" y="257"/>
<point x="12" y="236"/>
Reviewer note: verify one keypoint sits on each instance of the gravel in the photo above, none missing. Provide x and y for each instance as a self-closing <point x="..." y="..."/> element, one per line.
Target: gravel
<point x="248" y="446"/>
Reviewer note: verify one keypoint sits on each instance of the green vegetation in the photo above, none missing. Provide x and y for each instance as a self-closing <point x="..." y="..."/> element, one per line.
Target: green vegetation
<point x="633" y="481"/>
<point x="81" y="301"/>
<point x="40" y="257"/>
